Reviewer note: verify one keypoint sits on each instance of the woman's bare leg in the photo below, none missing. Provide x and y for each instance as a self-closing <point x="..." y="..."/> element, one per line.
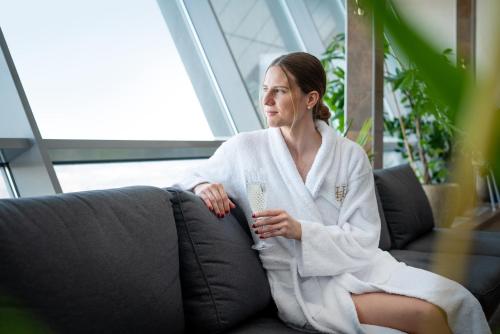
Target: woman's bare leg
<point x="407" y="314"/>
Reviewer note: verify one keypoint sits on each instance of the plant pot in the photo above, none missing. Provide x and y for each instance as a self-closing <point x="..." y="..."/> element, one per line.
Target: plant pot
<point x="444" y="200"/>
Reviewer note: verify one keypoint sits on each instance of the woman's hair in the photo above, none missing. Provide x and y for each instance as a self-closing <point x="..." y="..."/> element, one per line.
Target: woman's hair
<point x="309" y="75"/>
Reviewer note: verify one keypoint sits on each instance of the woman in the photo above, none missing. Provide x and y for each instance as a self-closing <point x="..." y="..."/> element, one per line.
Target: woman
<point x="325" y="269"/>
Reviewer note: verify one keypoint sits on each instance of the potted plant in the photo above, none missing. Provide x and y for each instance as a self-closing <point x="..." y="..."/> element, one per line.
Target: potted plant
<point x="424" y="132"/>
<point x="333" y="61"/>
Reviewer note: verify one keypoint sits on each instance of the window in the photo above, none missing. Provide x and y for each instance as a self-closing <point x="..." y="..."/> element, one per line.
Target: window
<point x="5" y="191"/>
<point x="328" y="18"/>
<point x="253" y="37"/>
<point x="79" y="177"/>
<point x="102" y="70"/>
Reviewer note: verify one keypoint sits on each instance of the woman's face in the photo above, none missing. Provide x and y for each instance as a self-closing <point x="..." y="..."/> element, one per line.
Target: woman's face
<point x="277" y="100"/>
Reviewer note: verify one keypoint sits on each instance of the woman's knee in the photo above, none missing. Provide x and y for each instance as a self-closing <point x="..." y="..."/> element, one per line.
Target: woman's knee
<point x="429" y="317"/>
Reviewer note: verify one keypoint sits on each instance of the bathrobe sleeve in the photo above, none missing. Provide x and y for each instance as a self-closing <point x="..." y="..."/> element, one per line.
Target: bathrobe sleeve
<point x="332" y="249"/>
<point x="216" y="169"/>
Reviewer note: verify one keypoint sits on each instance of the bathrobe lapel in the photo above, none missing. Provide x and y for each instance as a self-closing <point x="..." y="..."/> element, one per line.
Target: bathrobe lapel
<point x="324" y="159"/>
<point x="286" y="166"/>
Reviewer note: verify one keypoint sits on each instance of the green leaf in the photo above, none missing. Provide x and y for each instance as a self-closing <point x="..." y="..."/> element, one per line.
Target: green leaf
<point x="445" y="81"/>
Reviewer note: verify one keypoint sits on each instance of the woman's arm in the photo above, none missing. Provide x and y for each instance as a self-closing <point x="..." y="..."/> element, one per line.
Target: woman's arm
<point x="213" y="179"/>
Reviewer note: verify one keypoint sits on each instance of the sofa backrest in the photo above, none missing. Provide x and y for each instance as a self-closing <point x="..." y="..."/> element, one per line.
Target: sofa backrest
<point x="405" y="205"/>
<point x="223" y="281"/>
<point x="385" y="236"/>
<point x="93" y="262"/>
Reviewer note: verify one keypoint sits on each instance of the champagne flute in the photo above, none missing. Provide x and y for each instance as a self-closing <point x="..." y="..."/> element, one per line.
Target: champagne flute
<point x="256" y="193"/>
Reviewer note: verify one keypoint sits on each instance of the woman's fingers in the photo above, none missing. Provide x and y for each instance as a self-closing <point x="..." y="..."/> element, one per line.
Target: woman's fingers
<point x="278" y="223"/>
<point x="223" y="199"/>
<point x="212" y="195"/>
<point x="215" y="198"/>
<point x="269" y="220"/>
<point x="207" y="203"/>
<point x="276" y="230"/>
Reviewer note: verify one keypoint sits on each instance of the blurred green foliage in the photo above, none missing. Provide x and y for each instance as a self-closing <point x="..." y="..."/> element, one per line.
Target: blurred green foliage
<point x="15" y="318"/>
<point x="333" y="61"/>
<point x="446" y="83"/>
<point x="423" y="127"/>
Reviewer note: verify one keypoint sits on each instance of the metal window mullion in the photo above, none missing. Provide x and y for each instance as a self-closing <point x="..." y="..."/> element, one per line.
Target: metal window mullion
<point x="193" y="57"/>
<point x="304" y="26"/>
<point x="221" y="64"/>
<point x="80" y="151"/>
<point x="33" y="171"/>
<point x="9" y="181"/>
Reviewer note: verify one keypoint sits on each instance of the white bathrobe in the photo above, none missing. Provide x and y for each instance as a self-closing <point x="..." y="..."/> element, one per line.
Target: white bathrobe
<point x="312" y="280"/>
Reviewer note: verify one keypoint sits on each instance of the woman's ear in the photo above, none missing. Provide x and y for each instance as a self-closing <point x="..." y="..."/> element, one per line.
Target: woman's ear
<point x="312" y="99"/>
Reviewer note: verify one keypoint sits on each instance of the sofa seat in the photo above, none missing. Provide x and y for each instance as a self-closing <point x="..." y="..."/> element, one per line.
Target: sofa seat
<point x="482" y="274"/>
<point x="480" y="242"/>
<point x="272" y="325"/>
<point x="263" y="325"/>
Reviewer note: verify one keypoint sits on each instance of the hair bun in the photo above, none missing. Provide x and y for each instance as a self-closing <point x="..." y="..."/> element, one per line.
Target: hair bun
<point x="324" y="113"/>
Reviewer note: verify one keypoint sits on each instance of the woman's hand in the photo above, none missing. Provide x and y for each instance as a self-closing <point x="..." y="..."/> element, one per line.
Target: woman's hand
<point x="215" y="198"/>
<point x="274" y="223"/>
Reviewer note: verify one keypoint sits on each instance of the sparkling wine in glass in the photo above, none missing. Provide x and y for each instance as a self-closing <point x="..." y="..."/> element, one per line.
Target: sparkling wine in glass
<point x="256" y="193"/>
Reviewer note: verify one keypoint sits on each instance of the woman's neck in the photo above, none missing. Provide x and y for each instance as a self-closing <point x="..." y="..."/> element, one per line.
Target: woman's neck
<point x="303" y="140"/>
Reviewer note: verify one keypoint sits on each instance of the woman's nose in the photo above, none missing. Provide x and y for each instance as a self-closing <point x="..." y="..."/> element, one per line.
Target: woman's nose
<point x="268" y="99"/>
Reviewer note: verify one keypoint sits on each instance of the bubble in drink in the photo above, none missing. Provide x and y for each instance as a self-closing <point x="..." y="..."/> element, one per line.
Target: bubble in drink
<point x="256" y="196"/>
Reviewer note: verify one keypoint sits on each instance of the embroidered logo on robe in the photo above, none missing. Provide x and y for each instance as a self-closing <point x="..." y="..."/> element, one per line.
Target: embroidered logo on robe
<point x="340" y="192"/>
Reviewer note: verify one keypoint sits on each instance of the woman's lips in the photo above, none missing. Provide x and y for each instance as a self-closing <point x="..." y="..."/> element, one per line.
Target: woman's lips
<point x="271" y="113"/>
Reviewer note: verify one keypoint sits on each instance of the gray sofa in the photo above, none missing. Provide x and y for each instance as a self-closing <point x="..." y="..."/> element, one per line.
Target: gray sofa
<point x="150" y="260"/>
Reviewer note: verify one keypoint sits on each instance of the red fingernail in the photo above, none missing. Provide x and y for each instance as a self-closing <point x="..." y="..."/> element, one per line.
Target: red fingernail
<point x="256" y="231"/>
<point x="261" y="237"/>
<point x="253" y="225"/>
<point x="253" y="215"/>
<point x="227" y="212"/>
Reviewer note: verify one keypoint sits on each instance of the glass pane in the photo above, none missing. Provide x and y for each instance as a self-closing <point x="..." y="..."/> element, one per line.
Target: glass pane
<point x="4" y="186"/>
<point x="112" y="175"/>
<point x="253" y="37"/>
<point x="102" y="70"/>
<point x="326" y="18"/>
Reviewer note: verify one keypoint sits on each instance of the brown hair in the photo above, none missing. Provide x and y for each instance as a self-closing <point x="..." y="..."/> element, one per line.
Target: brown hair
<point x="309" y="76"/>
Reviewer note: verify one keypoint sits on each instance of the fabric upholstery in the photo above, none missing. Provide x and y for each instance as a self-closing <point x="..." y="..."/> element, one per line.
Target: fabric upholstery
<point x="406" y="208"/>
<point x="223" y="282"/>
<point x="385" y="237"/>
<point x="263" y="325"/>
<point x="93" y="262"/>
<point x="482" y="273"/>
<point x="272" y="325"/>
<point x="458" y="241"/>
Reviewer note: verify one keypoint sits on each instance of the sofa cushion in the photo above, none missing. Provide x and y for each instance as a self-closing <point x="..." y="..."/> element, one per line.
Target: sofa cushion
<point x="385" y="237"/>
<point x="482" y="273"/>
<point x="93" y="262"/>
<point x="458" y="241"/>
<point x="271" y="325"/>
<point x="406" y="208"/>
<point x="223" y="282"/>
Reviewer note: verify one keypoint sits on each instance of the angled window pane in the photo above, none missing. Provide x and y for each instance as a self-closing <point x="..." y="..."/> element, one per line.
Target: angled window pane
<point x="325" y="16"/>
<point x="78" y="177"/>
<point x="102" y="70"/>
<point x="4" y="185"/>
<point x="253" y="36"/>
